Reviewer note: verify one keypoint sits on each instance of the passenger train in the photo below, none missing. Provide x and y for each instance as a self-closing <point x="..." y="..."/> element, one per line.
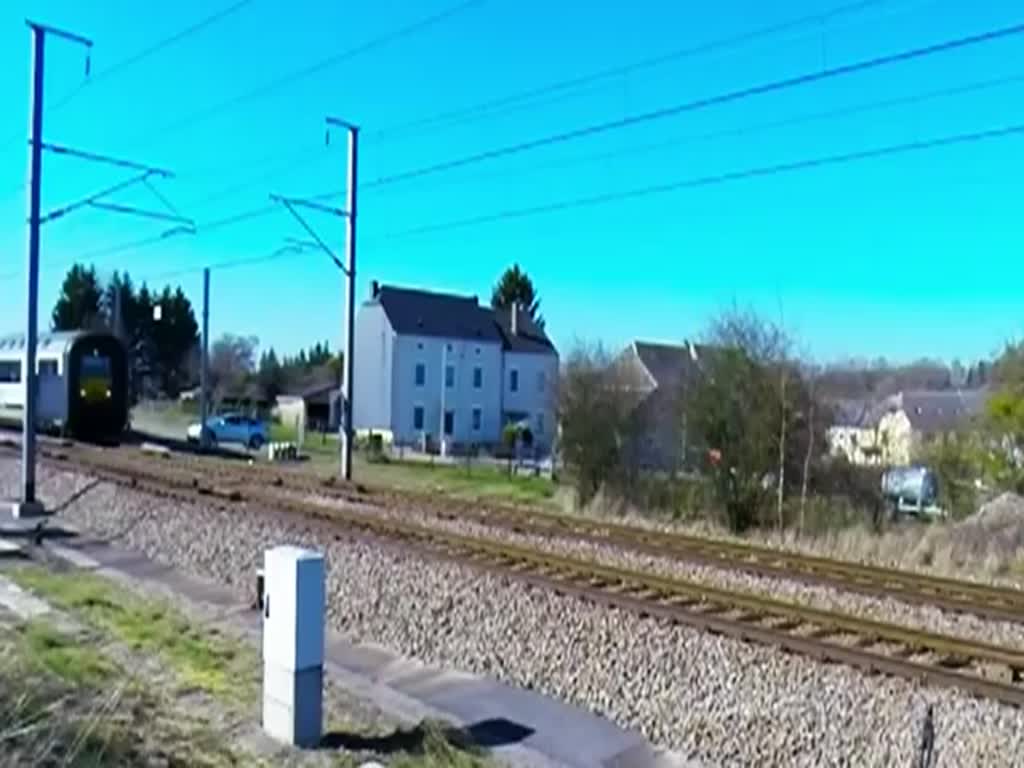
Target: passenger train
<point x="82" y="383"/>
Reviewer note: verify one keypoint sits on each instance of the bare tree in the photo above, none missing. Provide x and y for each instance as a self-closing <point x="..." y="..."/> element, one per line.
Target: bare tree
<point x="746" y="411"/>
<point x="595" y="408"/>
<point x="232" y="360"/>
<point x="812" y="378"/>
<point x="783" y="418"/>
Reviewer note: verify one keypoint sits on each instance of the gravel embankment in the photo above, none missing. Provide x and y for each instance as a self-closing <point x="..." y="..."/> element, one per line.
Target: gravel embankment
<point x="827" y="598"/>
<point x="715" y="699"/>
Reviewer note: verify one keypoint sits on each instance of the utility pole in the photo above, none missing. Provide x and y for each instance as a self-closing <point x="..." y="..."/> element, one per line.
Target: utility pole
<point x="350" y="298"/>
<point x="204" y="364"/>
<point x="29" y="506"/>
<point x="348" y="268"/>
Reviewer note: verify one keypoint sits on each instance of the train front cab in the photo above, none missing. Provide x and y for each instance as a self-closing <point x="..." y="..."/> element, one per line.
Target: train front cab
<point x="97" y="380"/>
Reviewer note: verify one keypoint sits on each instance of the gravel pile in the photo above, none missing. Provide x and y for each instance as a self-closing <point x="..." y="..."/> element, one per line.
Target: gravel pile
<point x="714" y="699"/>
<point x="886" y="610"/>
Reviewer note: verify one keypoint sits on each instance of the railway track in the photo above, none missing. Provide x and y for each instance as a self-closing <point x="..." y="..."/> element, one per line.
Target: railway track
<point x="952" y="595"/>
<point x="981" y="669"/>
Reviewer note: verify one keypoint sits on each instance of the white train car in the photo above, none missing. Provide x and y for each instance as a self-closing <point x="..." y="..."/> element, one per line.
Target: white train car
<point x="82" y="383"/>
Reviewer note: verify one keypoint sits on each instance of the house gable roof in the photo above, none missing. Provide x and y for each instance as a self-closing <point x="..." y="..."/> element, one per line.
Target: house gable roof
<point x="931" y="411"/>
<point x="530" y="337"/>
<point x="414" y="312"/>
<point x="668" y="365"/>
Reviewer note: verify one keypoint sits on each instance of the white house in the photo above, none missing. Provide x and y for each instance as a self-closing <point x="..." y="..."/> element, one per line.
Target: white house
<point x="431" y="362"/>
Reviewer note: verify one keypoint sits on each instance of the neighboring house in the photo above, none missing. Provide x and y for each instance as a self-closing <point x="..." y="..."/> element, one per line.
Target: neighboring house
<point x="854" y="433"/>
<point x="317" y="408"/>
<point x="659" y="375"/>
<point x="430" y="362"/>
<point x="913" y="418"/>
<point x="891" y="431"/>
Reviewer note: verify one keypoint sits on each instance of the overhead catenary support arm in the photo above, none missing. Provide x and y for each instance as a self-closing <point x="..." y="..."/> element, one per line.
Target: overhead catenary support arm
<point x="348" y="268"/>
<point x="292" y="203"/>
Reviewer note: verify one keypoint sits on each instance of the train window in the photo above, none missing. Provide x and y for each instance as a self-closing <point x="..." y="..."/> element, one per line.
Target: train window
<point x="47" y="367"/>
<point x="10" y="371"/>
<point x="94" y="365"/>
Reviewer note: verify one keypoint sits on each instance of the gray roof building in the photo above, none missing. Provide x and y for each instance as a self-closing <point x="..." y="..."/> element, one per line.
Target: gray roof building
<point x="935" y="411"/>
<point x="425" y="313"/>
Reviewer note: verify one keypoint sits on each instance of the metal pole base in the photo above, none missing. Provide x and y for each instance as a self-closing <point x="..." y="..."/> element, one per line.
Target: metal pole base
<point x="23" y="509"/>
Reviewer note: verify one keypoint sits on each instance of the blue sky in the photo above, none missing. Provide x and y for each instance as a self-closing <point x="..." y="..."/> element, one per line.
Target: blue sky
<point x="903" y="257"/>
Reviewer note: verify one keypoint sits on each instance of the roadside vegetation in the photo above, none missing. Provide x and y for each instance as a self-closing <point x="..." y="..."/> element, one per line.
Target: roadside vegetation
<point x="751" y="422"/>
<point x="113" y="678"/>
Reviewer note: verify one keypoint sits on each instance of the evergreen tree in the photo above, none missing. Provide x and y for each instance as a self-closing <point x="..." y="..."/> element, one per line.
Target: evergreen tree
<point x="515" y="286"/>
<point x="80" y="302"/>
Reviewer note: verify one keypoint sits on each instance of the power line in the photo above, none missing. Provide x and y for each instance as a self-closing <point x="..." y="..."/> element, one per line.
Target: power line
<point x="264" y="210"/>
<point x="748" y="130"/>
<point x="156" y="47"/>
<point x="229" y="264"/>
<point x="654" y="189"/>
<point x="707" y="181"/>
<point x="703" y="103"/>
<point x="366" y="47"/>
<point x="610" y="73"/>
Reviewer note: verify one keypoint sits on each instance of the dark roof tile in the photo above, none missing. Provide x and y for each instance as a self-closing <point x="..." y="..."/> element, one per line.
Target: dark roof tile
<point x="425" y="313"/>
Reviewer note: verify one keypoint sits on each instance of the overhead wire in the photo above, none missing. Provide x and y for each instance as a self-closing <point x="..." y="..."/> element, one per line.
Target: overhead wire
<point x="151" y="50"/>
<point x="753" y="129"/>
<point x="224" y="265"/>
<point x="714" y="179"/>
<point x="600" y="128"/>
<point x="807" y="78"/>
<point x="135" y="58"/>
<point x="312" y="69"/>
<point x="568" y="84"/>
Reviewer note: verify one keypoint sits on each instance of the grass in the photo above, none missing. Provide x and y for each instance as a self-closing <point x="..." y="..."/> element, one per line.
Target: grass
<point x="477" y="483"/>
<point x="439" y="749"/>
<point x="207" y="662"/>
<point x="65" y="704"/>
<point x="63" y="656"/>
<point x="113" y="717"/>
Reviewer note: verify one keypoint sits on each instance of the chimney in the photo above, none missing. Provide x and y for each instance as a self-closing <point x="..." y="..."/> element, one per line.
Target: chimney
<point x="374" y="289"/>
<point x="515" y="318"/>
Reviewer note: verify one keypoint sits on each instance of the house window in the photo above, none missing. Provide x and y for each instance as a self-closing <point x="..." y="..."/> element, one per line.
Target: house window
<point x="513" y="380"/>
<point x="540" y="423"/>
<point x="47" y="368"/>
<point x="10" y="372"/>
<point x="478" y="377"/>
<point x="417" y="418"/>
<point x="540" y="381"/>
<point x="477" y="418"/>
<point x="449" y="376"/>
<point x="449" y="422"/>
<point x="421" y="374"/>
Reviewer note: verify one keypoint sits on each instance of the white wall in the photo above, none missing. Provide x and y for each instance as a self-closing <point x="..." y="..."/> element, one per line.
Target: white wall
<point x="535" y="401"/>
<point x="374" y="350"/>
<point x="461" y="398"/>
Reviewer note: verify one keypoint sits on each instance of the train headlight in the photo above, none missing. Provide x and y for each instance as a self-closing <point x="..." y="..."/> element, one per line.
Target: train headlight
<point x="82" y="392"/>
<point x="108" y="394"/>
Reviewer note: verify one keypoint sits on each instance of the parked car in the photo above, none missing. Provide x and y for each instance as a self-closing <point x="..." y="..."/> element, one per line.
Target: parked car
<point x="231" y="428"/>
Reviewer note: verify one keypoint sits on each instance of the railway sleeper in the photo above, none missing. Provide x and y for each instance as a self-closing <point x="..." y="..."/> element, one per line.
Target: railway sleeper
<point x="999" y="673"/>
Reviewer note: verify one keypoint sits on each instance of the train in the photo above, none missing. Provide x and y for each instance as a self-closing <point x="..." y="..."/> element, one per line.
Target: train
<point x="82" y="384"/>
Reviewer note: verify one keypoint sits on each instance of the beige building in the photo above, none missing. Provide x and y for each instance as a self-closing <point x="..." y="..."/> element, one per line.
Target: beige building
<point x="891" y="431"/>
